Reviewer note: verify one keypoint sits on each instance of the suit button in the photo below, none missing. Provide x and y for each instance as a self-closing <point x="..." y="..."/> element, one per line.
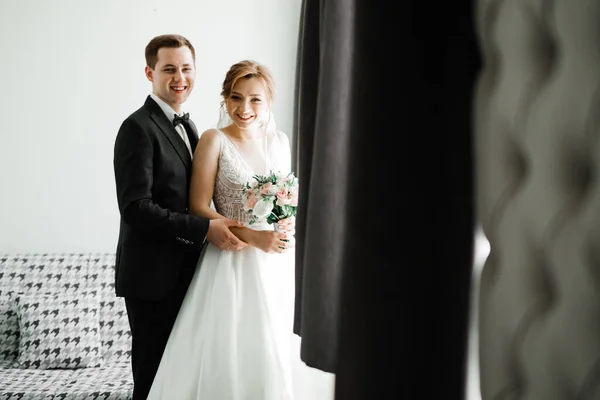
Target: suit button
<point x="187" y="209"/>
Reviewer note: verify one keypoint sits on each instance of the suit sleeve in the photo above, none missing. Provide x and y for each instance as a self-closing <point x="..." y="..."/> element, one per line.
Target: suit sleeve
<point x="133" y="168"/>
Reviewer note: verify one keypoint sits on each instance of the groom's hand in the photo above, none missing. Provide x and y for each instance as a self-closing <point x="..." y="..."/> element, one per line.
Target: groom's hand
<point x="220" y="235"/>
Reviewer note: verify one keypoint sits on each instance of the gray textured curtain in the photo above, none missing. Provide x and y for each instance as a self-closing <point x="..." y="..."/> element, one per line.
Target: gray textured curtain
<point x="382" y="147"/>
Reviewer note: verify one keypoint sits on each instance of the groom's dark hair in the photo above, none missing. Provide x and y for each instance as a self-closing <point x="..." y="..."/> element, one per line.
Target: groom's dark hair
<point x="170" y="41"/>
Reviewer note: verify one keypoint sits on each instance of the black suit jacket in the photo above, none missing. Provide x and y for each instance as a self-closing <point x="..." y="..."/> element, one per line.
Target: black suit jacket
<point x="157" y="236"/>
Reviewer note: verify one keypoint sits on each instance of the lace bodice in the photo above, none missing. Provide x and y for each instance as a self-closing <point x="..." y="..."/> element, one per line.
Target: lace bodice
<point x="234" y="172"/>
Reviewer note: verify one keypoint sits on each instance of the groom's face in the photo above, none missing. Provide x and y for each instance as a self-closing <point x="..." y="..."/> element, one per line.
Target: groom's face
<point x="173" y="75"/>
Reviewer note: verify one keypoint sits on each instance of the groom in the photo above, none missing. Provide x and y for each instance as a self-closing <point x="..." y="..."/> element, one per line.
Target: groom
<point x="159" y="242"/>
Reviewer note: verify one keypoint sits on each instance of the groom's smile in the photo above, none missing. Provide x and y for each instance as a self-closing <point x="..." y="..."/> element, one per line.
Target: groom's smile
<point x="179" y="89"/>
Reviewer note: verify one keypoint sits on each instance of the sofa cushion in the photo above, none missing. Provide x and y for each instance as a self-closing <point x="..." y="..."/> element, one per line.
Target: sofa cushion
<point x="59" y="330"/>
<point x="114" y="325"/>
<point x="114" y="382"/>
<point x="32" y="384"/>
<point x="9" y="331"/>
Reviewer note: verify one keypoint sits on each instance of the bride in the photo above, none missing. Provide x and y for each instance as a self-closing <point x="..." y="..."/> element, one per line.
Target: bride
<point x="233" y="337"/>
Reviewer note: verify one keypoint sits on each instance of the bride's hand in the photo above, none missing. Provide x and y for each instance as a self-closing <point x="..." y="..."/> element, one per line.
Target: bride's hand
<point x="288" y="225"/>
<point x="271" y="241"/>
<point x="289" y="244"/>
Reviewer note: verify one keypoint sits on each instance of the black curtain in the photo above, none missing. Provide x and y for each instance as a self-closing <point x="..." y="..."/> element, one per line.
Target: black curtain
<point x="382" y="149"/>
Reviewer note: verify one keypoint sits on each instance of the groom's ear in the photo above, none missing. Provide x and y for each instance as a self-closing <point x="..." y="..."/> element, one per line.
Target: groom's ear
<point x="149" y="73"/>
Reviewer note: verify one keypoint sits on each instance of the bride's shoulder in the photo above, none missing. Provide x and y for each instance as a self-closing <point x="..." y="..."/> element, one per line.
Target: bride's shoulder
<point x="210" y="133"/>
<point x="209" y="137"/>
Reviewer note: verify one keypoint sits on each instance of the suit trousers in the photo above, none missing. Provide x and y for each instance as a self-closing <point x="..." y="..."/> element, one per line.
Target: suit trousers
<point x="151" y="323"/>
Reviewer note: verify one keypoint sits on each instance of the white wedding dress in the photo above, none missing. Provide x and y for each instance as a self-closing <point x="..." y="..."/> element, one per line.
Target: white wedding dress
<point x="233" y="337"/>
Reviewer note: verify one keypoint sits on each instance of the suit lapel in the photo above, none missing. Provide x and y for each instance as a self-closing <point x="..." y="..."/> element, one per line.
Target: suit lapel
<point x="159" y="117"/>
<point x="194" y="135"/>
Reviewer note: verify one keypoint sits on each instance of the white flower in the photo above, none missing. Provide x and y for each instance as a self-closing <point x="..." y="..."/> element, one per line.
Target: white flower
<point x="281" y="176"/>
<point x="263" y="208"/>
<point x="290" y="180"/>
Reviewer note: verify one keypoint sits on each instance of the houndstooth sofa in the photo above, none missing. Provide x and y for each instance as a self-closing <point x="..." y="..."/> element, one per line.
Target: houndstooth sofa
<point x="63" y="333"/>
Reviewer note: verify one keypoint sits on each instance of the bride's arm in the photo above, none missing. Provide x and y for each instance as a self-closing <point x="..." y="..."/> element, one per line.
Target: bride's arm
<point x="205" y="161"/>
<point x="204" y="172"/>
<point x="204" y="175"/>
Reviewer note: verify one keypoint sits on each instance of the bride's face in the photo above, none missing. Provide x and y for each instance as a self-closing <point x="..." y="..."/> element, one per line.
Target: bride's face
<point x="247" y="105"/>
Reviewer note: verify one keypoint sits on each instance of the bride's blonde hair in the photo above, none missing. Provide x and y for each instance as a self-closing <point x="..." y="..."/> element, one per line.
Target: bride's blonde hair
<point x="245" y="70"/>
<point x="248" y="69"/>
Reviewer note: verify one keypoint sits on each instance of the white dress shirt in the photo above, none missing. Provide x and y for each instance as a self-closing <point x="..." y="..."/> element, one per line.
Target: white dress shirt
<point x="170" y="113"/>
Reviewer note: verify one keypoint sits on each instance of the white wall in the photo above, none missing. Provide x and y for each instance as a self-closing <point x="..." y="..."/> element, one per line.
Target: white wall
<point x="72" y="70"/>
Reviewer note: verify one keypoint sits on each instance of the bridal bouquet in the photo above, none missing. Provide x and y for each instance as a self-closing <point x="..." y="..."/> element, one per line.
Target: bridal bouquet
<point x="270" y="198"/>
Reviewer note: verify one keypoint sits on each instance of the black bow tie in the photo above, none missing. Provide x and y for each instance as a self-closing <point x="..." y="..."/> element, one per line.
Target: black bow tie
<point x="189" y="130"/>
<point x="181" y="119"/>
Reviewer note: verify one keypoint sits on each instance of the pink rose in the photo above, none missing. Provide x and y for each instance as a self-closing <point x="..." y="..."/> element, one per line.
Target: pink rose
<point x="266" y="188"/>
<point x="283" y="197"/>
<point x="251" y="200"/>
<point x="294" y="197"/>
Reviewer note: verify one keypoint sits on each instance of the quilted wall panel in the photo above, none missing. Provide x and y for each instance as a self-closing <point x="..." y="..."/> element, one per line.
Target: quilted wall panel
<point x="538" y="168"/>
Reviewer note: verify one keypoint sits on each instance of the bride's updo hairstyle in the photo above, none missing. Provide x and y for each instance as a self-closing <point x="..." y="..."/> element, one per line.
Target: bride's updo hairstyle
<point x="245" y="70"/>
